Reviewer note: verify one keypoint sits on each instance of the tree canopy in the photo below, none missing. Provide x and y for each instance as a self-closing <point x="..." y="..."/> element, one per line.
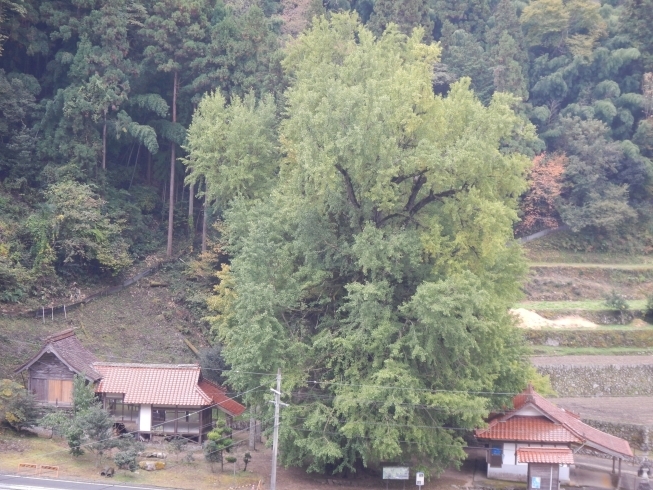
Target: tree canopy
<point x="377" y="270"/>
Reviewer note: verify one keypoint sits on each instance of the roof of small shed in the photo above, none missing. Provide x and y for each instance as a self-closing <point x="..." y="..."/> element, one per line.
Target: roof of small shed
<point x="550" y="455"/>
<point x="68" y="349"/>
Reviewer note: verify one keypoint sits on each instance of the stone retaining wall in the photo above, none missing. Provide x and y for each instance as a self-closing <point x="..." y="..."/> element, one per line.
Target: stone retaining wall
<point x="600" y="338"/>
<point x="610" y="380"/>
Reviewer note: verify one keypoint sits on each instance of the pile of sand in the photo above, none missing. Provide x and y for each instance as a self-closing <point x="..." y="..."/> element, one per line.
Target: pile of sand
<point x="531" y="320"/>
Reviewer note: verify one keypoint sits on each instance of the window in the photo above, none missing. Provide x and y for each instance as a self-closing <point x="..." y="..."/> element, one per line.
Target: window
<point x="123" y="412"/>
<point x="496" y="455"/>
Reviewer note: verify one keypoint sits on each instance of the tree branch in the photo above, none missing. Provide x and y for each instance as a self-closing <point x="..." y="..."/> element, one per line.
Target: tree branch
<point x="434" y="197"/>
<point x="349" y="185"/>
<point x="418" y="182"/>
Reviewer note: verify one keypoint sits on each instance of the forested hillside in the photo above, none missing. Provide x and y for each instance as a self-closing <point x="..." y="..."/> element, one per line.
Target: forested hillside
<point x="96" y="97"/>
<point x="356" y="173"/>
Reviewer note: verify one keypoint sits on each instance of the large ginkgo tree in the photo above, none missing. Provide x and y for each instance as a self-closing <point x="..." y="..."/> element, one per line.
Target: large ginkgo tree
<point x="377" y="267"/>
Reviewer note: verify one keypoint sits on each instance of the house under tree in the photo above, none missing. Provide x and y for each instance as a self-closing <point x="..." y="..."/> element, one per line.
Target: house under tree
<point x="148" y="399"/>
<point x="535" y="442"/>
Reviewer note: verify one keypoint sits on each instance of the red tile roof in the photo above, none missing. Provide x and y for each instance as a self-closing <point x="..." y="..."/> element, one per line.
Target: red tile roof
<point x="67" y="347"/>
<point x="550" y="455"/>
<point x="219" y="397"/>
<point x="526" y="429"/>
<point x="568" y="421"/>
<point x="155" y="384"/>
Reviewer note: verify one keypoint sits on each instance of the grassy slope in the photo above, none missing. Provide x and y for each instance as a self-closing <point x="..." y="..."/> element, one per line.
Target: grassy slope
<point x="138" y="324"/>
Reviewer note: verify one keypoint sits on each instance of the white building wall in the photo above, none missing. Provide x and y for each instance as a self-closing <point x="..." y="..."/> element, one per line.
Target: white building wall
<point x="145" y="418"/>
<point x="513" y="471"/>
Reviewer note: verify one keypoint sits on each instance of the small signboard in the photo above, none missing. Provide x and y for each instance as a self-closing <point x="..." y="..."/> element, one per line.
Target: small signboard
<point x="419" y="479"/>
<point x="536" y="482"/>
<point x="396" y="473"/>
<point x="496" y="451"/>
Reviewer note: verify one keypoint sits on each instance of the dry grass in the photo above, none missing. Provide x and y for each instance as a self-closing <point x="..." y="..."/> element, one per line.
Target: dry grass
<point x="15" y="449"/>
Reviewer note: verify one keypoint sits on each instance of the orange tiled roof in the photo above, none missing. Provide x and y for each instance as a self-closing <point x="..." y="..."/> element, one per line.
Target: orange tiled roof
<point x="557" y="455"/>
<point x="219" y="397"/>
<point x="557" y="416"/>
<point x="155" y="384"/>
<point x="526" y="429"/>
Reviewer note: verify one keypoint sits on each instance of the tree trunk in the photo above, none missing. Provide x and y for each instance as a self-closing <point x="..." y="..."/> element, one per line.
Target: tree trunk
<point x="204" y="221"/>
<point x="191" y="203"/>
<point x="171" y="204"/>
<point x="149" y="168"/>
<point x="104" y="142"/>
<point x="252" y="435"/>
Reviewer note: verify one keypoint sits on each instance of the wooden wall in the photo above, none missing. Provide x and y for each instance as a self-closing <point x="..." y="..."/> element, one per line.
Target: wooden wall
<point x="50" y="380"/>
<point x="548" y="475"/>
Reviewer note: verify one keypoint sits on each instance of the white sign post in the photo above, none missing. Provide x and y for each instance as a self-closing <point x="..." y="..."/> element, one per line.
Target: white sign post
<point x="419" y="479"/>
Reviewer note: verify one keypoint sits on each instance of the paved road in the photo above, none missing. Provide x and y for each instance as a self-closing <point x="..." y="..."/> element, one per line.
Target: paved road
<point x="12" y="482"/>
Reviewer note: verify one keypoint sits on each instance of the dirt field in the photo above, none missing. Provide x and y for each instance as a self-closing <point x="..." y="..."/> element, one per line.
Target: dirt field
<point x="592" y="361"/>
<point x="637" y="409"/>
<point x="577" y="282"/>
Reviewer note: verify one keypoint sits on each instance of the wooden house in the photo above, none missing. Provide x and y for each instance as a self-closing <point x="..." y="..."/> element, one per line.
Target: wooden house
<point x="162" y="399"/>
<point x="50" y="372"/>
<point x="534" y="442"/>
<point x="147" y="399"/>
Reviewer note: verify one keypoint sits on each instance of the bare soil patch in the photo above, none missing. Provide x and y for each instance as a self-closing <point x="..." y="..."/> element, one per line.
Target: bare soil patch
<point x="531" y="320"/>
<point x="593" y="361"/>
<point x="628" y="410"/>
<point x="566" y="283"/>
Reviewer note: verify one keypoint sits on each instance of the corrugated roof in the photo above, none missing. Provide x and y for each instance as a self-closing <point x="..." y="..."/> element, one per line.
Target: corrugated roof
<point x="526" y="429"/>
<point x="560" y="417"/>
<point x="549" y="455"/>
<point x="67" y="347"/>
<point x="153" y="384"/>
<point x="219" y="397"/>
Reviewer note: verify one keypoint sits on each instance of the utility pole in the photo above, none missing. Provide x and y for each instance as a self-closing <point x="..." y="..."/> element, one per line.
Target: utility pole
<point x="275" y="440"/>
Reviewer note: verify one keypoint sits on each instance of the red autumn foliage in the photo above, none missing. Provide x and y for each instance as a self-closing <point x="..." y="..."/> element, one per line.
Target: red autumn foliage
<point x="538" y="204"/>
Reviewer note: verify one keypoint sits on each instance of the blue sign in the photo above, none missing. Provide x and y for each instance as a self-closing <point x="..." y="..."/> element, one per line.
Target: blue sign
<point x="496" y="451"/>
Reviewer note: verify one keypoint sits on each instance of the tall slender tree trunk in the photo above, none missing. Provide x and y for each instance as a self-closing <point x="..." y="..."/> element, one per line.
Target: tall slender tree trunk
<point x="104" y="142"/>
<point x="191" y="203"/>
<point x="204" y="221"/>
<point x="149" y="168"/>
<point x="171" y="204"/>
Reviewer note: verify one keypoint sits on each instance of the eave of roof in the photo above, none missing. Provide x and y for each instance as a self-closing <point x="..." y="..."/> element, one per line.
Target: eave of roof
<point x="220" y="399"/>
<point x="545" y="455"/>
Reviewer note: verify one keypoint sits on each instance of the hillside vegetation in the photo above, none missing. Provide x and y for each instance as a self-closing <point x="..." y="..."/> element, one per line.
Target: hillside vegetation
<point x="353" y="175"/>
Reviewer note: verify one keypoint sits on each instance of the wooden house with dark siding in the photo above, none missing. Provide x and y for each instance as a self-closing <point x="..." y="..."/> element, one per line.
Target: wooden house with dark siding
<point x="50" y="372"/>
<point x="147" y="399"/>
